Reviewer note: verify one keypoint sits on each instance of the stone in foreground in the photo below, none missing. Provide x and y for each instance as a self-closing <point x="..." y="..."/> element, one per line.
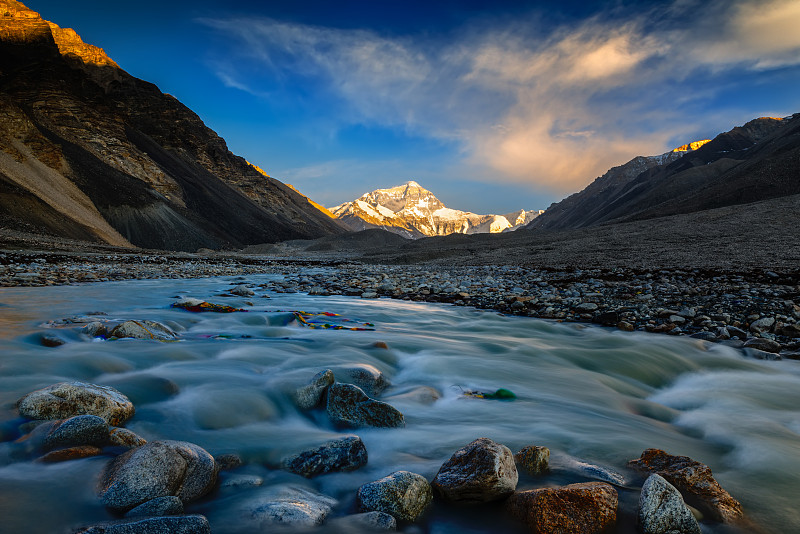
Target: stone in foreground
<point x="662" y="510"/>
<point x="68" y="399"/>
<point x="310" y="395"/>
<point x="533" y="460"/>
<point x="343" y="454"/>
<point x="403" y="494"/>
<point x="78" y="430"/>
<point x="695" y="482"/>
<point x="349" y="406"/>
<point x="184" y="524"/>
<point x="157" y="469"/>
<point x="481" y="471"/>
<point x="585" y="508"/>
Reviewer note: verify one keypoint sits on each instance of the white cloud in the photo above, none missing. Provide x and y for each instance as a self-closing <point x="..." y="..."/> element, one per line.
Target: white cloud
<point x="554" y="107"/>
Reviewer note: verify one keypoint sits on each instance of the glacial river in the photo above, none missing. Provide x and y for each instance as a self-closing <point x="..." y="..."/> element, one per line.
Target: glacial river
<point x="590" y="394"/>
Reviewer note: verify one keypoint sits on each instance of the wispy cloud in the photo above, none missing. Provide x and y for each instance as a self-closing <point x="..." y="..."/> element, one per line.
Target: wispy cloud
<point x="554" y="107"/>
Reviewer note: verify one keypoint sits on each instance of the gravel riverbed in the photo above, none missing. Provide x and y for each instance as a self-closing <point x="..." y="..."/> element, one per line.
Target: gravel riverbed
<point x="758" y="311"/>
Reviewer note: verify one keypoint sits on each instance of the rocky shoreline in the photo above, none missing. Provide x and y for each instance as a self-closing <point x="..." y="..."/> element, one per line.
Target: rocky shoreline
<point x="758" y="311"/>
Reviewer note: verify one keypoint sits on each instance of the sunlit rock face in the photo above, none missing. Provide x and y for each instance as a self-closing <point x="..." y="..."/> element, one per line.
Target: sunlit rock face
<point x="89" y="152"/>
<point x="413" y="211"/>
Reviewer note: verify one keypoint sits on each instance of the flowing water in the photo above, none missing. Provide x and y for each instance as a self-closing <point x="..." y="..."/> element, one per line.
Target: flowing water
<point x="590" y="394"/>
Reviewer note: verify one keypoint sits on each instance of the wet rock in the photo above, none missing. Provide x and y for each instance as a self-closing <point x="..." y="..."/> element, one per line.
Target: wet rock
<point x="369" y="295"/>
<point x="242" y="291"/>
<point x="695" y="482"/>
<point x="481" y="471"/>
<point x="157" y="469"/>
<point x="662" y="510"/>
<point x="365" y="376"/>
<point x="349" y="406"/>
<point x="50" y="340"/>
<point x="591" y="470"/>
<point x="762" y="325"/>
<point x="183" y="524"/>
<point x="122" y="437"/>
<point x="344" y="454"/>
<point x="402" y="494"/>
<point x="310" y="395"/>
<point x="587" y="508"/>
<point x="293" y="507"/>
<point x="585" y="307"/>
<point x="761" y="354"/>
<point x="67" y="399"/>
<point x="95" y="329"/>
<point x="143" y="329"/>
<point x="533" y="460"/>
<point x="625" y="326"/>
<point x="736" y="332"/>
<point x="71" y="453"/>
<point x="789" y="330"/>
<point x="760" y="343"/>
<point x="365" y="521"/>
<point x="160" y="506"/>
<point x="78" y="430"/>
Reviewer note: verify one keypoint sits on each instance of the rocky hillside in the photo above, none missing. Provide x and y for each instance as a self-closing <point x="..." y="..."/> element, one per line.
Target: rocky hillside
<point x="412" y="211"/>
<point x="757" y="161"/>
<point x="89" y="152"/>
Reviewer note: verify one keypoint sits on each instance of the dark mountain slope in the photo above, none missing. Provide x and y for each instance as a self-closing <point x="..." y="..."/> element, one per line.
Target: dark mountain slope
<point x="119" y="161"/>
<point x="757" y="161"/>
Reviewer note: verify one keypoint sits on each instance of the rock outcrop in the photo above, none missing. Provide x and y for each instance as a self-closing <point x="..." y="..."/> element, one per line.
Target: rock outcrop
<point x="89" y="152"/>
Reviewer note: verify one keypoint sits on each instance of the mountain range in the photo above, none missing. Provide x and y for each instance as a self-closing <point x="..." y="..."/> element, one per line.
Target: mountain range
<point x="412" y="211"/>
<point x="89" y="152"/>
<point x="759" y="160"/>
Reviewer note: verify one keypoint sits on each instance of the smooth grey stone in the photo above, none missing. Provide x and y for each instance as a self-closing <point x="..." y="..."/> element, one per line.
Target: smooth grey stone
<point x="293" y="507"/>
<point x="67" y="399"/>
<point x="364" y="521"/>
<point x="143" y="329"/>
<point x="310" y="395"/>
<point x="78" y="430"/>
<point x="402" y="494"/>
<point x="662" y="510"/>
<point x="157" y="469"/>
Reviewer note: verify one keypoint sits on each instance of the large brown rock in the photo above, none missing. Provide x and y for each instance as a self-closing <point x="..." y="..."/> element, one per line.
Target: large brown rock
<point x="585" y="508"/>
<point x="68" y="399"/>
<point x="481" y="471"/>
<point x="695" y="482"/>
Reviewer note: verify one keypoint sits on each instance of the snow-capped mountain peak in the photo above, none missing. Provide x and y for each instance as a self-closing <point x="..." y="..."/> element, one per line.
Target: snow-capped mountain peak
<point x="413" y="211"/>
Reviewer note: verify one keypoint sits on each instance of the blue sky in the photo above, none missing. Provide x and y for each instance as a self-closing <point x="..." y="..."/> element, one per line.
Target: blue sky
<point x="492" y="105"/>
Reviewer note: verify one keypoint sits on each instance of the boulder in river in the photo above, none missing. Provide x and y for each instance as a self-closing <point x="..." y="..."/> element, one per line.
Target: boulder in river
<point x="143" y="329"/>
<point x="67" y="399"/>
<point x="588" y="508"/>
<point x="481" y="471"/>
<point x="695" y="482"/>
<point x="343" y="454"/>
<point x="310" y="395"/>
<point x="402" y="494"/>
<point x="122" y="437"/>
<point x="533" y="460"/>
<point x="365" y="376"/>
<point x="349" y="406"/>
<point x="242" y="290"/>
<point x="78" y="430"/>
<point x="366" y="521"/>
<point x="157" y="469"/>
<point x="662" y="510"/>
